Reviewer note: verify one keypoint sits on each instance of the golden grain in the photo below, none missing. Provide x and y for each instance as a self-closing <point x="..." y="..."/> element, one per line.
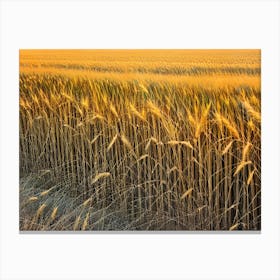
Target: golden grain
<point x="187" y="193"/>
<point x="157" y="121"/>
<point x="241" y="165"/>
<point x="99" y="176"/>
<point x="112" y="142"/>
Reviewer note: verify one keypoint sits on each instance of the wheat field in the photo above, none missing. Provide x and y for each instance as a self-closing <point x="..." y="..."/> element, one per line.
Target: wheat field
<point x="140" y="140"/>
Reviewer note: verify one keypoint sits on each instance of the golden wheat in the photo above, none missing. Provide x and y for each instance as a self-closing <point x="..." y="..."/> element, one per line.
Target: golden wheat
<point x="140" y="139"/>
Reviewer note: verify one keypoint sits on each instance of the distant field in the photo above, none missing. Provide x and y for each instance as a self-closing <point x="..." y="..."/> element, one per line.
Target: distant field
<point x="140" y="140"/>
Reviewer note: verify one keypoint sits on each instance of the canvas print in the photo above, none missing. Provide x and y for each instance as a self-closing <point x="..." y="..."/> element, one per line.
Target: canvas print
<point x="140" y="140"/>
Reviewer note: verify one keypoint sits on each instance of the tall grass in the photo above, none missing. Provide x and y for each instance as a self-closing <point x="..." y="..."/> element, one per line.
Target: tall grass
<point x="147" y="153"/>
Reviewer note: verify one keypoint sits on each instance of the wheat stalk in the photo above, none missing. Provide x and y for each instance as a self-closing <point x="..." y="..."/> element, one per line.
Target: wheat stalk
<point x="112" y="142"/>
<point x="99" y="176"/>
<point x="240" y="166"/>
<point x="187" y="193"/>
<point x="85" y="223"/>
